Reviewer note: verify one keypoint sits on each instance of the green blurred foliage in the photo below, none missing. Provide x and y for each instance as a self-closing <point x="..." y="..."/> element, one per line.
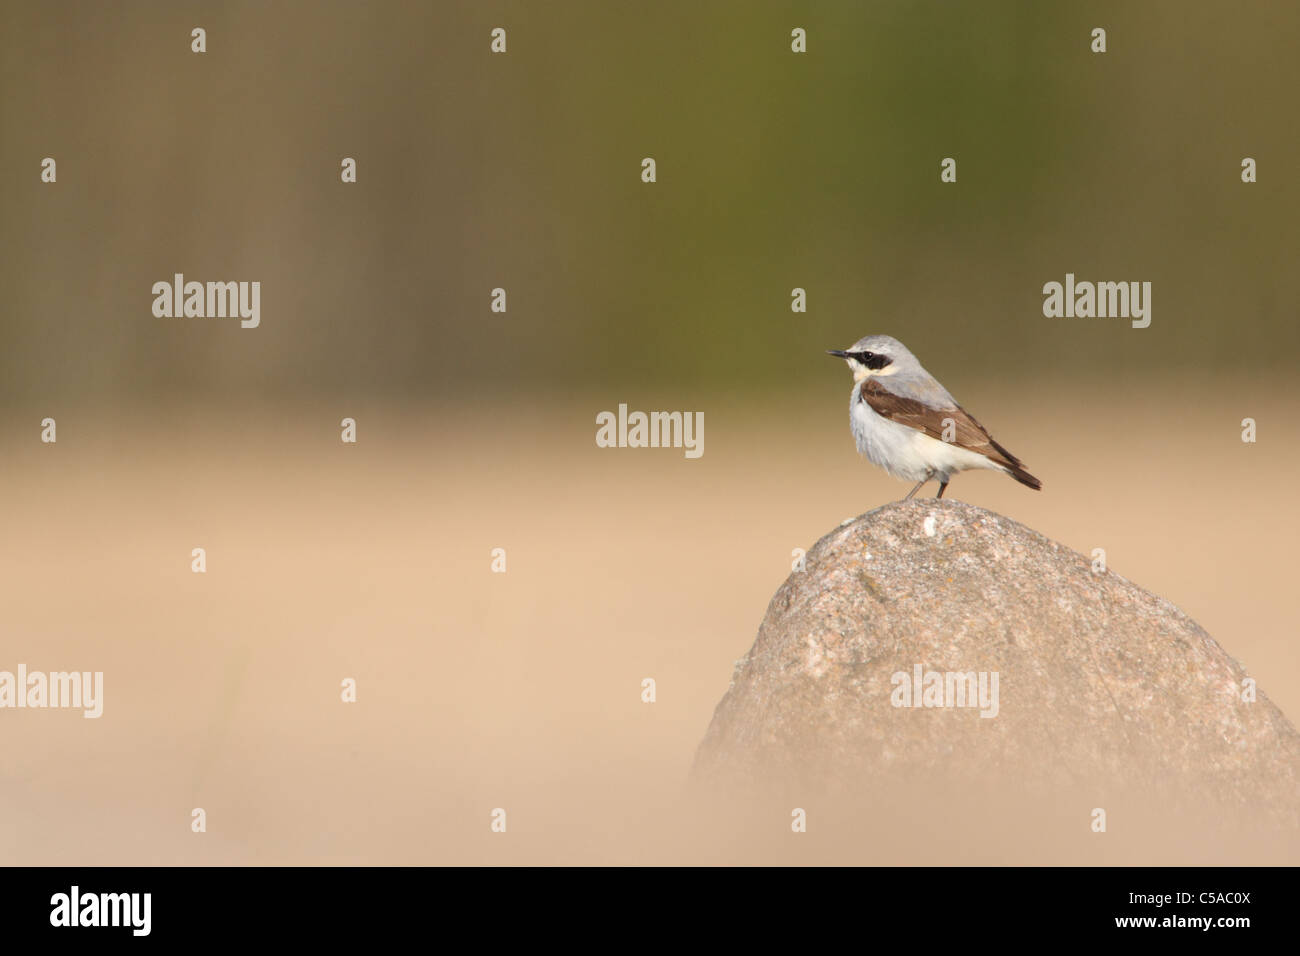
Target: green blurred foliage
<point x="522" y="170"/>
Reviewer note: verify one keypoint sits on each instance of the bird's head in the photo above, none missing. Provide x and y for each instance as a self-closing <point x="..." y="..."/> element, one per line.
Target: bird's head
<point x="873" y="355"/>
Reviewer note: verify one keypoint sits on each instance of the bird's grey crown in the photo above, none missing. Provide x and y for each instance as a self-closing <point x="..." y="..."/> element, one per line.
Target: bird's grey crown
<point x="882" y="345"/>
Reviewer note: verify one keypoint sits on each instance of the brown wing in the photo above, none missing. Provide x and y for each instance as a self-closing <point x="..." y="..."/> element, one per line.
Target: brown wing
<point x="966" y="431"/>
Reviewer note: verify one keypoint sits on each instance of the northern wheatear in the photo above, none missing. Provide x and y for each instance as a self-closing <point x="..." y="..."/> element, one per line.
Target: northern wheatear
<point x="906" y="422"/>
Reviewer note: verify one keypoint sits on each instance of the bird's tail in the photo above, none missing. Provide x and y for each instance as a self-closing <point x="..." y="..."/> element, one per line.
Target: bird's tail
<point x="1017" y="472"/>
<point x="1015" y="467"/>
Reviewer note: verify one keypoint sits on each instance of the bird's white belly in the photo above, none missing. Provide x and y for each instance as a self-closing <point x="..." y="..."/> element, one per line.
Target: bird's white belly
<point x="905" y="452"/>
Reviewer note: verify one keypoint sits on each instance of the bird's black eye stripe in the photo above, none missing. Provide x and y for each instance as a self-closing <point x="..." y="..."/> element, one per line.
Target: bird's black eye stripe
<point x="872" y="360"/>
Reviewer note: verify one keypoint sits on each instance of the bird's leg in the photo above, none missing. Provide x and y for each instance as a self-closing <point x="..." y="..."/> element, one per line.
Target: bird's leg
<point x="942" y="486"/>
<point x="928" y="476"/>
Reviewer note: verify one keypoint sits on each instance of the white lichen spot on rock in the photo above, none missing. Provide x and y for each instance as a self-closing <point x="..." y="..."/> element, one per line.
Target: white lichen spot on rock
<point x="928" y="524"/>
<point x="816" y="661"/>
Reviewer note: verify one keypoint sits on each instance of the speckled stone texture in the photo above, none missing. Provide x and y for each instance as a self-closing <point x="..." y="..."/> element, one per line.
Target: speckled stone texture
<point x="1101" y="685"/>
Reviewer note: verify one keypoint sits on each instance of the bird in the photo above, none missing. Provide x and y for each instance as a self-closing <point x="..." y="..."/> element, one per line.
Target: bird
<point x="907" y="423"/>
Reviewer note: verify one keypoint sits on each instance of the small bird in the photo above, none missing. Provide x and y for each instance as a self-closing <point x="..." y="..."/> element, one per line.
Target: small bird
<point x="906" y="422"/>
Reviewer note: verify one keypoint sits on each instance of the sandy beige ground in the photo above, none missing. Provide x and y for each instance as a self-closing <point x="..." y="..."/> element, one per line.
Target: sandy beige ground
<point x="522" y="690"/>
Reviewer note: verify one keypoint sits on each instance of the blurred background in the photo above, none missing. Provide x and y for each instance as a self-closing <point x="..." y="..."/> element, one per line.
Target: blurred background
<point x="476" y="429"/>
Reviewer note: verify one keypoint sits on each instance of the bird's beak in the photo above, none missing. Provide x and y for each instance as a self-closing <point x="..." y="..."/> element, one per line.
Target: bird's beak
<point x="837" y="353"/>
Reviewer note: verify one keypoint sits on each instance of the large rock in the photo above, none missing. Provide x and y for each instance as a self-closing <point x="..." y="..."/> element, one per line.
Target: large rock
<point x="1102" y="687"/>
